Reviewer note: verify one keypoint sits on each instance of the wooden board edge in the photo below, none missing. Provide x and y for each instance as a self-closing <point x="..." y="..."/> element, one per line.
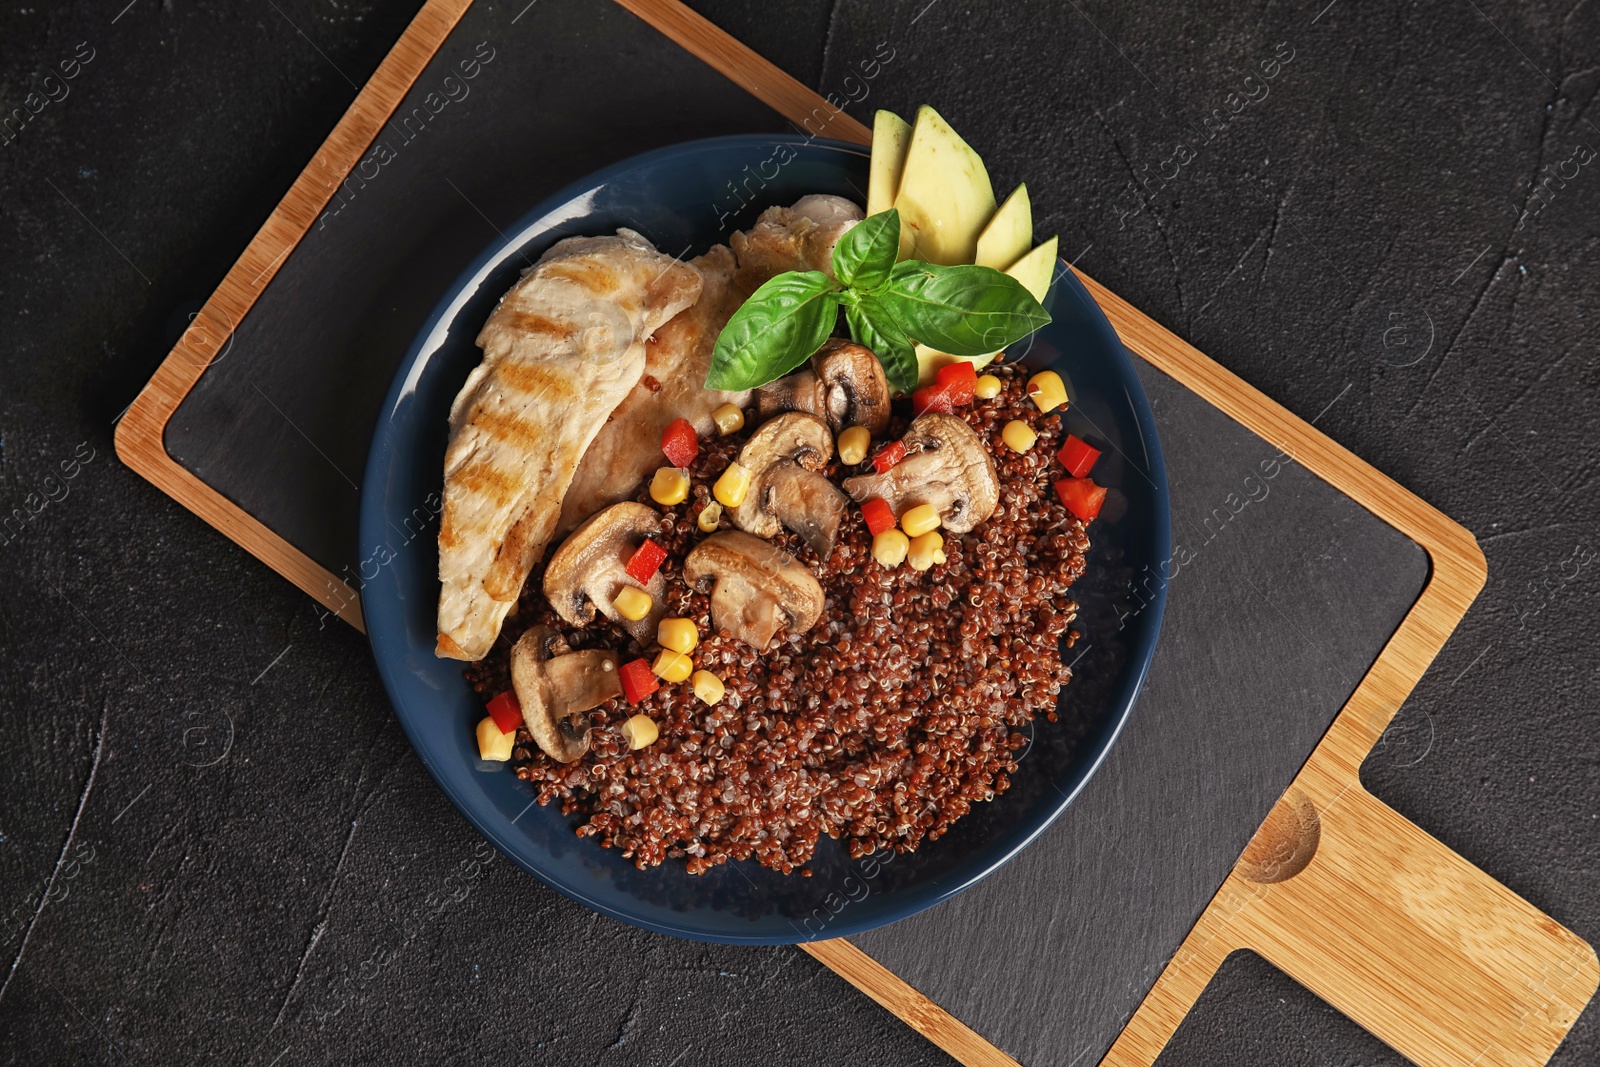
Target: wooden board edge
<point x="142" y="450"/>
<point x="140" y="435"/>
<point x="1458" y="567"/>
<point x="748" y="69"/>
<point x="1458" y="571"/>
<point x="905" y="1001"/>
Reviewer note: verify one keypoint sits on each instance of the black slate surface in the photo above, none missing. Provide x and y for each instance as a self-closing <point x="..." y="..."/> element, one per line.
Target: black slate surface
<point x="308" y="897"/>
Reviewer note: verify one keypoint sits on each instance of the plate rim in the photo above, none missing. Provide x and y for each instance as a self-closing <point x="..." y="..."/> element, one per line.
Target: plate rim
<point x="370" y="519"/>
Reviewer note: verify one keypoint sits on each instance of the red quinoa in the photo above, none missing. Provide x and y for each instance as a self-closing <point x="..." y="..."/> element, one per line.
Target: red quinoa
<point x="880" y="727"/>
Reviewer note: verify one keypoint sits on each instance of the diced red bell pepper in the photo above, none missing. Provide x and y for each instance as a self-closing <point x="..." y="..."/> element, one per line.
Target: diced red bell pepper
<point x="933" y="397"/>
<point x="645" y="561"/>
<point x="506" y="712"/>
<point x="638" y="680"/>
<point x="955" y="386"/>
<point x="1077" y="456"/>
<point x="1081" y="496"/>
<point x="960" y="381"/>
<point x="888" y="456"/>
<point x="878" y="515"/>
<point x="680" y="443"/>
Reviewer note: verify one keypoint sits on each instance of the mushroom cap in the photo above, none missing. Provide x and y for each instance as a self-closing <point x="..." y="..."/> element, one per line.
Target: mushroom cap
<point x="844" y="384"/>
<point x="795" y="435"/>
<point x="783" y="457"/>
<point x="591" y="567"/>
<point x="854" y="388"/>
<point x="807" y="503"/>
<point x="800" y="391"/>
<point x="555" y="690"/>
<point x="757" y="587"/>
<point x="946" y="465"/>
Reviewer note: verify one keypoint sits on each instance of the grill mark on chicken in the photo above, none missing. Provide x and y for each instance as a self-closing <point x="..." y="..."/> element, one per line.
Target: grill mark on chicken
<point x="537" y="379"/>
<point x="509" y="428"/>
<point x="597" y="280"/>
<point x="499" y="484"/>
<point x="529" y="322"/>
<point x="524" y="546"/>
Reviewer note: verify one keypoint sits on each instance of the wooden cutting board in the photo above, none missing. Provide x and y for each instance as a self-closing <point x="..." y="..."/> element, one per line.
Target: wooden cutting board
<point x="1335" y="888"/>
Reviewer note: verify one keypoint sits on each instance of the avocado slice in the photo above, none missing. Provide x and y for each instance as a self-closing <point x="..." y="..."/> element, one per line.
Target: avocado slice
<point x="945" y="198"/>
<point x="891" y="136"/>
<point x="1035" y="269"/>
<point x="1009" y="234"/>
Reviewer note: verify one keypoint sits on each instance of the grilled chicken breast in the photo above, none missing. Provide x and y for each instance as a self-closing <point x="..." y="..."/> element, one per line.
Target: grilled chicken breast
<point x="628" y="449"/>
<point x="561" y="350"/>
<point x="794" y="238"/>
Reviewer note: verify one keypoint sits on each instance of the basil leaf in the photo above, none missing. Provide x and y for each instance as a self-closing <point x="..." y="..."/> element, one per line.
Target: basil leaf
<point x="874" y="327"/>
<point x="774" y="331"/>
<point x="962" y="310"/>
<point x="866" y="253"/>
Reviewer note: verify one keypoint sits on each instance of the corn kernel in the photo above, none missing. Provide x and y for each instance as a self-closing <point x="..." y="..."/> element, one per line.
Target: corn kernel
<point x="709" y="517"/>
<point x="987" y="388"/>
<point x="492" y="744"/>
<point x="1047" y="390"/>
<point x="672" y="666"/>
<point x="639" y="731"/>
<point x="926" y="550"/>
<point x="707" y="686"/>
<point x="732" y="486"/>
<point x="729" y="419"/>
<point x="853" y="445"/>
<point x="889" y="548"/>
<point x="919" y="520"/>
<point x="669" y="486"/>
<point x="678" y="635"/>
<point x="632" y="604"/>
<point x="1018" y="435"/>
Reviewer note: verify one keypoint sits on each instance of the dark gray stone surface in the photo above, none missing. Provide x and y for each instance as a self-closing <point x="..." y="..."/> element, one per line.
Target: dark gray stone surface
<point x="308" y="895"/>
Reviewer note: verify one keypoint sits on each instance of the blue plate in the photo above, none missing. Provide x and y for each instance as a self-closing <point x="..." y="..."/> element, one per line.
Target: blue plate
<point x="685" y="198"/>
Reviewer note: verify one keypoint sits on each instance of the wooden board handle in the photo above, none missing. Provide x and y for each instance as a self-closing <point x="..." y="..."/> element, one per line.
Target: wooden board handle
<point x="1426" y="951"/>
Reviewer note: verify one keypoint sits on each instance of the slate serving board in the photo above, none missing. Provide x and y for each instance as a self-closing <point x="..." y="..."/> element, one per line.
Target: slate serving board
<point x="1284" y="593"/>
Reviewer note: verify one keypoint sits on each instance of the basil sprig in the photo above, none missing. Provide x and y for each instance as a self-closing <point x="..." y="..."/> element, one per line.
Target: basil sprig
<point x="871" y="325"/>
<point x="864" y="257"/>
<point x="889" y="307"/>
<point x="775" y="331"/>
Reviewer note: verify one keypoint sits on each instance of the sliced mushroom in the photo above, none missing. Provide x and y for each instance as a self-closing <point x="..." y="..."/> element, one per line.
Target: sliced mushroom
<point x="783" y="458"/>
<point x="946" y="465"/>
<point x="591" y="567"/>
<point x="755" y="587"/>
<point x="844" y="384"/>
<point x="556" y="687"/>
